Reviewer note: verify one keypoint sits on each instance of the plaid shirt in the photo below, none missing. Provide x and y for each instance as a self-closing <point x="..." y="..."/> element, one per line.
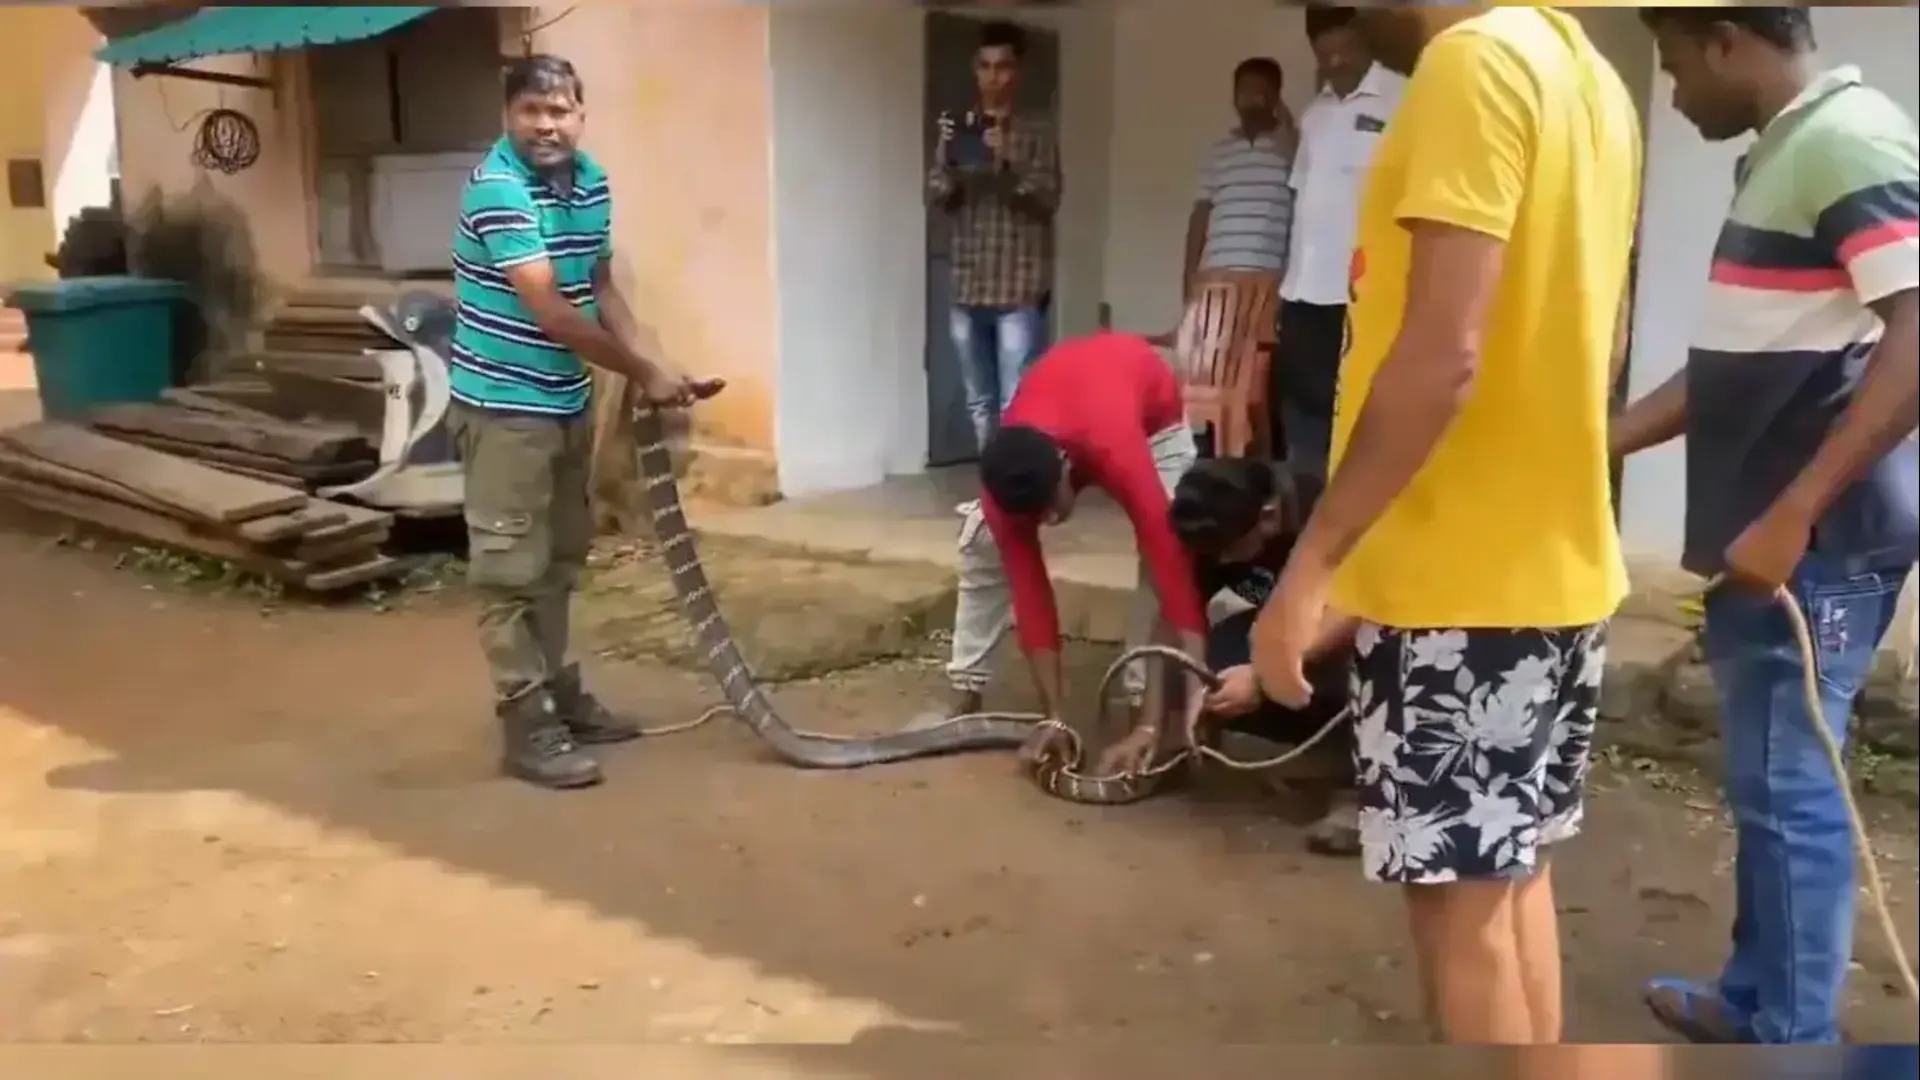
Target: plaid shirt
<point x="1003" y="221"/>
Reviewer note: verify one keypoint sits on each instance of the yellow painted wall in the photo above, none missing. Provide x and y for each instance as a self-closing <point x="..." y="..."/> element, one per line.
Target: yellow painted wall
<point x="46" y="64"/>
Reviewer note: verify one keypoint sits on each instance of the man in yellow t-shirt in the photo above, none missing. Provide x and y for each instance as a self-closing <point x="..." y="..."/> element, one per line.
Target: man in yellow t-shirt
<point x="1467" y="526"/>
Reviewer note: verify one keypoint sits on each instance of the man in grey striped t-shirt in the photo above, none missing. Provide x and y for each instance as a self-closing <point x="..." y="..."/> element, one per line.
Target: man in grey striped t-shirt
<point x="1243" y="217"/>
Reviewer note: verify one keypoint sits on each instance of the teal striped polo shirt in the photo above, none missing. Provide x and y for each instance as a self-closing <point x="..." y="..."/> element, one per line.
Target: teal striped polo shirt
<point x="510" y="216"/>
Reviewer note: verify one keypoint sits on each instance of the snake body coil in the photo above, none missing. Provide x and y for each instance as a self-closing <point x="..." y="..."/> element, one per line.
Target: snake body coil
<point x="721" y="653"/>
<point x="424" y="321"/>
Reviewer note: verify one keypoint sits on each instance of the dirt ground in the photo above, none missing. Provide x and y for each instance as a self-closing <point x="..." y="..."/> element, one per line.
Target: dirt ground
<point x="223" y="825"/>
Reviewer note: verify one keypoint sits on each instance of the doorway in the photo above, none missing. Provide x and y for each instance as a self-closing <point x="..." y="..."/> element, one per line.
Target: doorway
<point x="950" y="44"/>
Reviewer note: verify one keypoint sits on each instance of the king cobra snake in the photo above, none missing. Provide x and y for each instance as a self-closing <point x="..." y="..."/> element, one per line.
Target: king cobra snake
<point x="1056" y="775"/>
<point x="424" y="321"/>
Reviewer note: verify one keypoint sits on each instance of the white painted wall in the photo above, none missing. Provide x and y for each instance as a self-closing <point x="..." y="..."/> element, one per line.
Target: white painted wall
<point x="1088" y="119"/>
<point x="848" y="92"/>
<point x="849" y="245"/>
<point x="85" y="174"/>
<point x="1172" y="95"/>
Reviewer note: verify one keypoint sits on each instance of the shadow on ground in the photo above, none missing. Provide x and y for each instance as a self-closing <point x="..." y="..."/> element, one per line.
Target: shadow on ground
<point x="942" y="898"/>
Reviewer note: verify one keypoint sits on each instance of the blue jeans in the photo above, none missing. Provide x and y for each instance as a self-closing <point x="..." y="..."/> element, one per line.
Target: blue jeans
<point x="995" y="346"/>
<point x="1794" y="858"/>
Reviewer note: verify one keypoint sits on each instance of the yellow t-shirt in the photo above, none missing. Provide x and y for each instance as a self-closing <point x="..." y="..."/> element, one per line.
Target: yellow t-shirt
<point x="1515" y="127"/>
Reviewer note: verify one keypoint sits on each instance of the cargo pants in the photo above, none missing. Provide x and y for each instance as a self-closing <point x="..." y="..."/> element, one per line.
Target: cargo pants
<point x="529" y="529"/>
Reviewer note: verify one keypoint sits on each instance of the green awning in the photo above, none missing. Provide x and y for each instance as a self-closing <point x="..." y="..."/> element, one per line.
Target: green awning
<point x="219" y="31"/>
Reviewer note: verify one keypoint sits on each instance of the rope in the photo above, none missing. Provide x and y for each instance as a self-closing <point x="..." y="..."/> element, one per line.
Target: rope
<point x="1810" y="684"/>
<point x="1862" y="843"/>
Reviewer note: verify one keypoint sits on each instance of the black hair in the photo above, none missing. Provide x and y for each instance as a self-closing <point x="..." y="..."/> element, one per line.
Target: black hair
<point x="1265" y="67"/>
<point x="1021" y="467"/>
<point x="1220" y="500"/>
<point x="1788" y="27"/>
<point x="1001" y="34"/>
<point x="544" y="74"/>
<point x="1324" y="17"/>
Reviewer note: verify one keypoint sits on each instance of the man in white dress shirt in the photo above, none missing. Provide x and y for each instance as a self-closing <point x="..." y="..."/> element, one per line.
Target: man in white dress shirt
<point x="1338" y="133"/>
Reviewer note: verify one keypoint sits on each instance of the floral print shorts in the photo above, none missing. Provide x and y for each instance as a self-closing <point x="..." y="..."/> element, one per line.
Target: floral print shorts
<point x="1472" y="747"/>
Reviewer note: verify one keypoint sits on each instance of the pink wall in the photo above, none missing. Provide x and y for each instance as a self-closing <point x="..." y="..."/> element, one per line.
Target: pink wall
<point x="158" y="119"/>
<point x="679" y="114"/>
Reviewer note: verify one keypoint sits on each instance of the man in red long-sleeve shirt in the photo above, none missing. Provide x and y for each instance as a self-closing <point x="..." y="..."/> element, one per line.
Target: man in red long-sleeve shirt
<point x="1100" y="411"/>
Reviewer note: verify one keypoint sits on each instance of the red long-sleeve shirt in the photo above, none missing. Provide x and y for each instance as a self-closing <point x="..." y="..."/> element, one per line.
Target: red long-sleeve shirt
<point x="1101" y="398"/>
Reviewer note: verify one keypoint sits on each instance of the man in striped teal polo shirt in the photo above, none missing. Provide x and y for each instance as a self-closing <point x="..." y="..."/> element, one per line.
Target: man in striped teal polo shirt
<point x="535" y="305"/>
<point x="1797" y="404"/>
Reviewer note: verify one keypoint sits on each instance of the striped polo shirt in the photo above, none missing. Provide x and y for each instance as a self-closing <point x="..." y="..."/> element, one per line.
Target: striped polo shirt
<point x="1248" y="184"/>
<point x="510" y="216"/>
<point x="1823" y="225"/>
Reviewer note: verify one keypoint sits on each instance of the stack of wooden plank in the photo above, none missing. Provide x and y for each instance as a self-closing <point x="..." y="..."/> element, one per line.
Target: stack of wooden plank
<point x="328" y="341"/>
<point x="238" y="439"/>
<point x="155" y="497"/>
<point x="302" y="399"/>
<point x="313" y="358"/>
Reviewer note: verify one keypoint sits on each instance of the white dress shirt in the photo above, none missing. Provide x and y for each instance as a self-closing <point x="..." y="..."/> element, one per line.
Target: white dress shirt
<point x="1338" y="136"/>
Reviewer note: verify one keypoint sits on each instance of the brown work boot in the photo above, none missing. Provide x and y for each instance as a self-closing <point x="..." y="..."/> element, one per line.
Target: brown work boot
<point x="537" y="747"/>
<point x="587" y="720"/>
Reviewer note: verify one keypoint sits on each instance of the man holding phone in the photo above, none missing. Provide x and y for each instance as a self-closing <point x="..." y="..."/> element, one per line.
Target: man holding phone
<point x="996" y="174"/>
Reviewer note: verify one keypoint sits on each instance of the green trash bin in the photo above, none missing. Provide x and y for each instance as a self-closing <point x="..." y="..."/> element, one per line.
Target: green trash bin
<point x="97" y="340"/>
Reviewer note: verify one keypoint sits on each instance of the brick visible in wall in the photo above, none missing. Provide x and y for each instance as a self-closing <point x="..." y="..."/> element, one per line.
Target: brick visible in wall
<point x="26" y="184"/>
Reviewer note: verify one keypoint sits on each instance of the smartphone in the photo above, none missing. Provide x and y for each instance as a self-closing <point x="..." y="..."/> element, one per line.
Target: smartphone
<point x="970" y="140"/>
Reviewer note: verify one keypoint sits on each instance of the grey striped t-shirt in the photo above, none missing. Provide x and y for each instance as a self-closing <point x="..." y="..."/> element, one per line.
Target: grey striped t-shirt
<point x="1252" y="220"/>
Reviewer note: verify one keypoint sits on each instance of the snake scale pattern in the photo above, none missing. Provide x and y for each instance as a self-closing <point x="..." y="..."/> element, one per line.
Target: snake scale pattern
<point x="721" y="652"/>
<point x="424" y="321"/>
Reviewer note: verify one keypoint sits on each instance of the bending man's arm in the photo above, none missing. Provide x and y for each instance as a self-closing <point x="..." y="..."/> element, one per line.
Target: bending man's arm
<point x="1035" y="619"/>
<point x="1135" y="485"/>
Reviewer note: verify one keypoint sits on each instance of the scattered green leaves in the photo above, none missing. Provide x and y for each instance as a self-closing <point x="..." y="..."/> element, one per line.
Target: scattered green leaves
<point x="188" y="570"/>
